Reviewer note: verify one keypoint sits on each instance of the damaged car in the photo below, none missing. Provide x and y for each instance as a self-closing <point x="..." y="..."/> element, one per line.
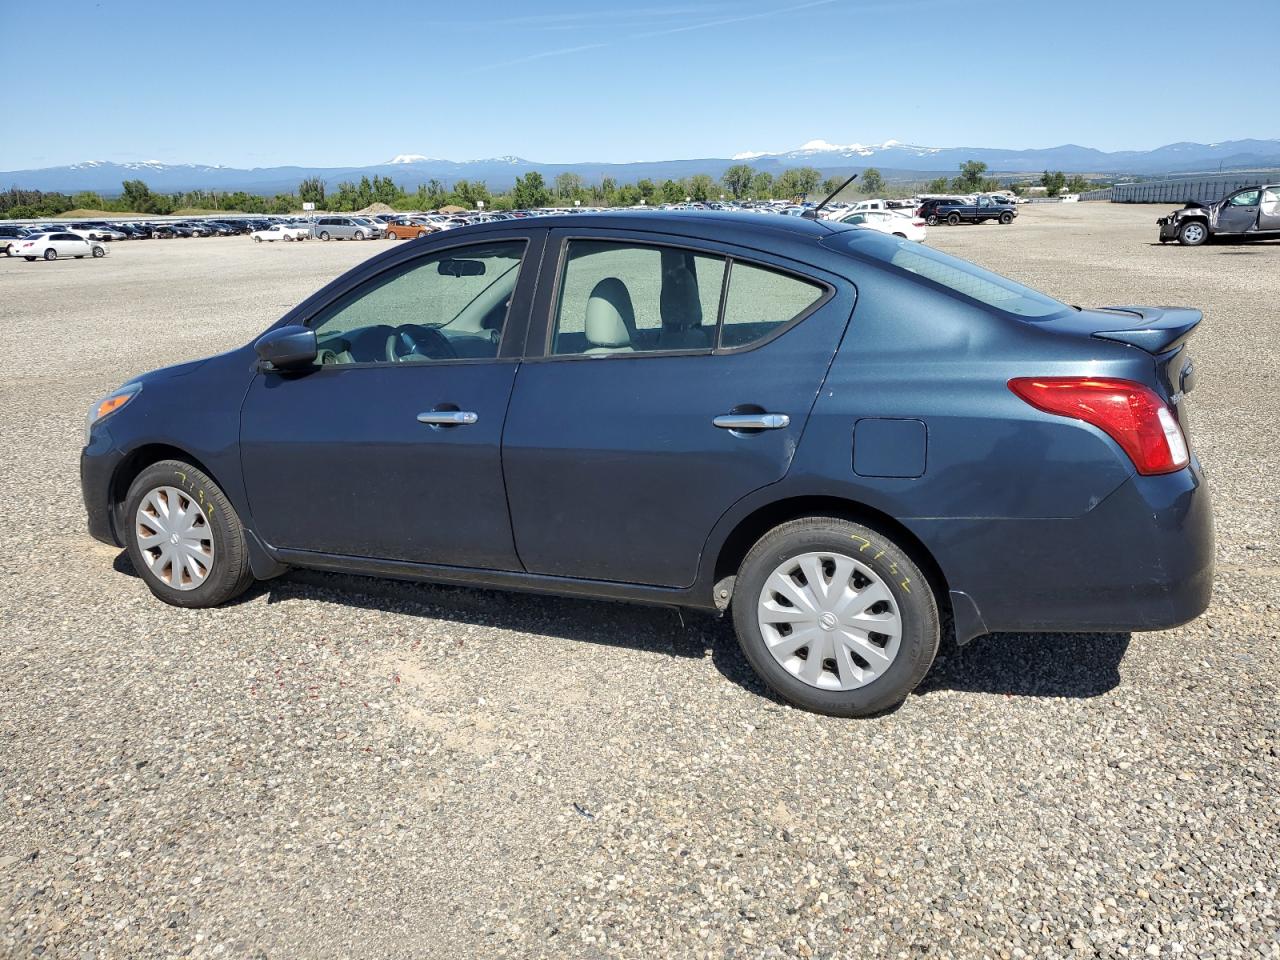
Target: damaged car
<point x="1251" y="212"/>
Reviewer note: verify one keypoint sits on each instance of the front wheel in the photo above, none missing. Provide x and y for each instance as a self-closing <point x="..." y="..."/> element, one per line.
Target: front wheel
<point x="1006" y="218"/>
<point x="324" y="235"/>
<point x="184" y="537"/>
<point x="257" y="239"/>
<point x="1193" y="234"/>
<point x="359" y="235"/>
<point x="99" y="252"/>
<point x="835" y="617"/>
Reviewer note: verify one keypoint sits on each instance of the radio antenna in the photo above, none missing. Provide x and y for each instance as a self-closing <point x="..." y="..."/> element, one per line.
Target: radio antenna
<point x="813" y="213"/>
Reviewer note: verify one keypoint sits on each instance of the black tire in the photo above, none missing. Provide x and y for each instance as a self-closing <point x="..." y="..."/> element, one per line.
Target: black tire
<point x="99" y="252"/>
<point x="421" y="234"/>
<point x="257" y="239"/>
<point x="1006" y="217"/>
<point x="910" y="591"/>
<point x="324" y="235"/>
<point x="931" y="220"/>
<point x="29" y="259"/>
<point x="900" y="236"/>
<point x="953" y="219"/>
<point x="359" y="235"/>
<point x="1193" y="233"/>
<point x="230" y="574"/>
<point x="51" y="254"/>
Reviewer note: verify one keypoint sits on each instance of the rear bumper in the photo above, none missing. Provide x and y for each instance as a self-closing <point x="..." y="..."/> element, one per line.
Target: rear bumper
<point x="1142" y="559"/>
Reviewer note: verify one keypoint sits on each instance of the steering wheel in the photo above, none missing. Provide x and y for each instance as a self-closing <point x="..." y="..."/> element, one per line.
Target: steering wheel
<point x="412" y="340"/>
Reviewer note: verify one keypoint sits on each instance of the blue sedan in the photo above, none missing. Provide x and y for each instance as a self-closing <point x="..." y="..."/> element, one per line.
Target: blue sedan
<point x="847" y="441"/>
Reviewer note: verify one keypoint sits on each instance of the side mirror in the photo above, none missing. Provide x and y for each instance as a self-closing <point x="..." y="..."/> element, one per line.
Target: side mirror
<point x="287" y="348"/>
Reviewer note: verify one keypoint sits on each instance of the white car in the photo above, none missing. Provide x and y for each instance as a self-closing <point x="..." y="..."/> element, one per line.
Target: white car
<point x="281" y="231"/>
<point x="95" y="231"/>
<point x="51" y="246"/>
<point x="886" y="221"/>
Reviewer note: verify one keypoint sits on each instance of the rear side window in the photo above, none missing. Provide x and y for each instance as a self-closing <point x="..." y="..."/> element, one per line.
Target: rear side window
<point x="630" y="298"/>
<point x="627" y="298"/>
<point x="760" y="301"/>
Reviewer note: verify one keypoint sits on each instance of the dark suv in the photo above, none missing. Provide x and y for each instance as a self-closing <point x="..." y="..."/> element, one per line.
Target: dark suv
<point x="953" y="211"/>
<point x="844" y="438"/>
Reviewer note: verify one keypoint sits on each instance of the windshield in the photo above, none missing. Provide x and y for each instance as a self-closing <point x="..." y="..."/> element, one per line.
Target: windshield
<point x="956" y="275"/>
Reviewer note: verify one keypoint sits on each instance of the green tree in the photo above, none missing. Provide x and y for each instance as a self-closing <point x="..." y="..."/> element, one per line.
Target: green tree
<point x="530" y="191"/>
<point x="1077" y="184"/>
<point x="936" y="186"/>
<point x="87" y="200"/>
<point x="797" y="182"/>
<point x="762" y="185"/>
<point x="737" y="180"/>
<point x="467" y="193"/>
<point x="311" y="190"/>
<point x="569" y="186"/>
<point x="1018" y="189"/>
<point x="970" y="179"/>
<point x="1053" y="182"/>
<point x="347" y="198"/>
<point x="701" y="187"/>
<point x="672" y="192"/>
<point x="871" y="182"/>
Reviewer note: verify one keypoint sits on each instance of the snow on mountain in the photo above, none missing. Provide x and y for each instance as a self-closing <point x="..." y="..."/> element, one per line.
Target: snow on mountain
<point x="408" y="158"/>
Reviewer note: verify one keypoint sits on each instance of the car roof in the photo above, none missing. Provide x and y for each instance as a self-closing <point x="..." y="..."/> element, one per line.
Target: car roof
<point x="728" y="225"/>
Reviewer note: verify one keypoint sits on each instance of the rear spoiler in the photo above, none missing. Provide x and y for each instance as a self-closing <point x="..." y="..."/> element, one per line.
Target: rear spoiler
<point x="1158" y="330"/>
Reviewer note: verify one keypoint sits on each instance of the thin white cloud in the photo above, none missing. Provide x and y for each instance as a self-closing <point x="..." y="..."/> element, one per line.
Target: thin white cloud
<point x="544" y="55"/>
<point x="742" y="18"/>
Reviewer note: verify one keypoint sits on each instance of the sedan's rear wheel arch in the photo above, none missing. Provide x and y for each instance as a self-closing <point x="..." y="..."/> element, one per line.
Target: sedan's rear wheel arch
<point x="748" y="531"/>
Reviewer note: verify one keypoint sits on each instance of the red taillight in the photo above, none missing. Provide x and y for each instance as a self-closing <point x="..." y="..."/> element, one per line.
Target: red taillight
<point x="1131" y="414"/>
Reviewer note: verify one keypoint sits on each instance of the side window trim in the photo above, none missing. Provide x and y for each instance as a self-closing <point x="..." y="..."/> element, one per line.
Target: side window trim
<point x="546" y="306"/>
<point x="515" y="326"/>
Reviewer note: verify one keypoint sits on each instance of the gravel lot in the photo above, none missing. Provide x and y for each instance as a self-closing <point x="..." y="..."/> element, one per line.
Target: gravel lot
<point x="339" y="767"/>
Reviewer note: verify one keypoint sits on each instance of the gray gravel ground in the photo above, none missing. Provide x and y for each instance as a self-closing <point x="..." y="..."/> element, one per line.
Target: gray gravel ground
<point x="338" y="767"/>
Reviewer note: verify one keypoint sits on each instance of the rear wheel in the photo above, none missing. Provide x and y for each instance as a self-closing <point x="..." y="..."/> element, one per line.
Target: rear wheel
<point x="953" y="219"/>
<point x="900" y="236"/>
<point x="931" y="220"/>
<point x="835" y="617"/>
<point x="184" y="537"/>
<point x="1193" y="234"/>
<point x="51" y="254"/>
<point x="29" y="259"/>
<point x="257" y="239"/>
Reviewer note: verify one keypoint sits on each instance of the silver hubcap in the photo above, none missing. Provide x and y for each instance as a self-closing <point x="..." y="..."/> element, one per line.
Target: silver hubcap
<point x="175" y="538"/>
<point x="1194" y="232"/>
<point x="829" y="620"/>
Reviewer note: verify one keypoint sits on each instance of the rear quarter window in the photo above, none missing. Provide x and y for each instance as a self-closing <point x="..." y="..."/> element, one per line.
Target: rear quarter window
<point x="759" y="301"/>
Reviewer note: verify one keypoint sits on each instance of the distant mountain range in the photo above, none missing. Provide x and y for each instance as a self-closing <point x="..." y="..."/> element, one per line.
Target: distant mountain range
<point x="894" y="160"/>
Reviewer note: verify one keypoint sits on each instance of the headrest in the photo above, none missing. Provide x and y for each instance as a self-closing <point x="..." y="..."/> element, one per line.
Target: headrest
<point x="680" y="303"/>
<point x="610" y="317"/>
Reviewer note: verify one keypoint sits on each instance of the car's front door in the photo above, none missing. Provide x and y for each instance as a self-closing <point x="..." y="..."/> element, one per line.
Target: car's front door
<point x="1240" y="213"/>
<point x="656" y="397"/>
<point x="390" y="447"/>
<point x="1269" y="209"/>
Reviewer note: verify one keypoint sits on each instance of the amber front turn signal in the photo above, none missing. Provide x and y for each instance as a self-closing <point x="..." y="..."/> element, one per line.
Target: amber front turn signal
<point x="112" y="403"/>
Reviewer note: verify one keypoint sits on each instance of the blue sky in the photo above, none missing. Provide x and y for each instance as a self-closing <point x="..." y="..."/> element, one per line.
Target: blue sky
<point x="334" y="82"/>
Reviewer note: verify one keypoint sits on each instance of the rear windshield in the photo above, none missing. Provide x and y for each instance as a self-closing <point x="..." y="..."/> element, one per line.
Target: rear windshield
<point x="960" y="276"/>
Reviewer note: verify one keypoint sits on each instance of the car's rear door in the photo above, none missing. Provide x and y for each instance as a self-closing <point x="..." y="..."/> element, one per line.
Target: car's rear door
<point x="390" y="448"/>
<point x="617" y="454"/>
<point x="1269" y="209"/>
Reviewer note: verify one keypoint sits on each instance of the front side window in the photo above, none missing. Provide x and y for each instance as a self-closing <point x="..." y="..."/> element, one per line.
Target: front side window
<point x="451" y="305"/>
<point x="1247" y="199"/>
<point x="632" y="298"/>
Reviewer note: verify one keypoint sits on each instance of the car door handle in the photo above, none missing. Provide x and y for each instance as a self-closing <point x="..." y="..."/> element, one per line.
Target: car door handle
<point x="447" y="418"/>
<point x="752" y="421"/>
